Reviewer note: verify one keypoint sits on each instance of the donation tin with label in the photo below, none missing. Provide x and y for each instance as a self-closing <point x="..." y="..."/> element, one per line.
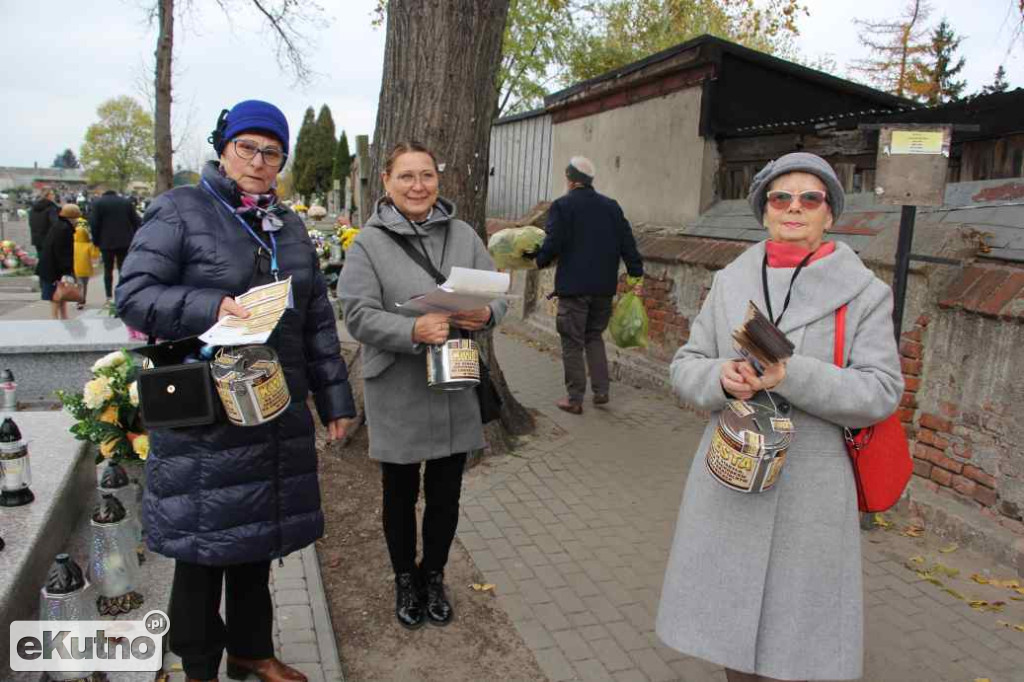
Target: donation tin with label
<point x="748" y="448"/>
<point x="251" y="384"/>
<point x="453" y="365"/>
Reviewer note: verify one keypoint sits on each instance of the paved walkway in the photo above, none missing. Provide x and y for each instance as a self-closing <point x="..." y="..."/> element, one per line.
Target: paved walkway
<point x="574" y="530"/>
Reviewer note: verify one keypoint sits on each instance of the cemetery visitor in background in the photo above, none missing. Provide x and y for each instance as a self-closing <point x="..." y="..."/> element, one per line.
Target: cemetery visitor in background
<point x="114" y="221"/>
<point x="769" y="584"/>
<point x="84" y="253"/>
<point x="57" y="258"/>
<point x="42" y="216"/>
<point x="588" y="234"/>
<point x="410" y="423"/>
<point x="224" y="500"/>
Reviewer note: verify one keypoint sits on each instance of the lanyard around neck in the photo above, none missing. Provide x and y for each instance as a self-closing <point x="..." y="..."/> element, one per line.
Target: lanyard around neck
<point x="789" y="292"/>
<point x="272" y="249"/>
<point x="422" y="237"/>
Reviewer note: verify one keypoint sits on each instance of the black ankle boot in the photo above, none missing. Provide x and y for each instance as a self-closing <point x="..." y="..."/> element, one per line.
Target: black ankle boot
<point x="408" y="606"/>
<point x="439" y="610"/>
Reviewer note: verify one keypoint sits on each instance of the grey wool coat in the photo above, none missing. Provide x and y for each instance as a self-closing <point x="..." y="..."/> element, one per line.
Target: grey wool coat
<point x="408" y="422"/>
<point x="770" y="583"/>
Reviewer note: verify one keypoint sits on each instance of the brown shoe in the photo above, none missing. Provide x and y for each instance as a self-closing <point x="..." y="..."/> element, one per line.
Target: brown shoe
<point x="569" y="406"/>
<point x="267" y="669"/>
<point x="601" y="398"/>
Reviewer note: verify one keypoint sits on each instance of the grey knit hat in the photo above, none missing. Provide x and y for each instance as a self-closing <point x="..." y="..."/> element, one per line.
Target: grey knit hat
<point x="797" y="162"/>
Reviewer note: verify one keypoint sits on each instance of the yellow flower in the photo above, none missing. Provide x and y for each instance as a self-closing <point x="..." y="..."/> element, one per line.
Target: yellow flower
<point x="107" y="449"/>
<point x="97" y="392"/>
<point x="141" y="446"/>
<point x="110" y="416"/>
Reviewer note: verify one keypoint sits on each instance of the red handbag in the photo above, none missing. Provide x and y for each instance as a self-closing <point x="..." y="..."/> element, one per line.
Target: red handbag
<point x="880" y="455"/>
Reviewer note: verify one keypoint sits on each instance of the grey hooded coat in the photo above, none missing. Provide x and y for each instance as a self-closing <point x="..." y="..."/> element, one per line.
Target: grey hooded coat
<point x="770" y="583"/>
<point x="408" y="422"/>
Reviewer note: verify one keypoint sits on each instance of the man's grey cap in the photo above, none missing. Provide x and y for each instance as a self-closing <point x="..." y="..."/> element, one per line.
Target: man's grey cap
<point x="797" y="162"/>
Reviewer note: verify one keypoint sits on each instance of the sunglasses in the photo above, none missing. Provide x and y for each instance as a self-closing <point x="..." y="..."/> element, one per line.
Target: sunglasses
<point x="810" y="199"/>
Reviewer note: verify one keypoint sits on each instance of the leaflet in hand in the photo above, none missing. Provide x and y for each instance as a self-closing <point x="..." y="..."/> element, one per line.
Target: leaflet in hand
<point x="465" y="289"/>
<point x="266" y="304"/>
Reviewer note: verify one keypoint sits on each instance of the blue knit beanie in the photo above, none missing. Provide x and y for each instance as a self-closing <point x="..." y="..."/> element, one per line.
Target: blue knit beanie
<point x="255" y="115"/>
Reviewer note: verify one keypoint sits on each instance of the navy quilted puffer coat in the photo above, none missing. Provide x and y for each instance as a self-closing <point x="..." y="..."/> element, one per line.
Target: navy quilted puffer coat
<point x="223" y="494"/>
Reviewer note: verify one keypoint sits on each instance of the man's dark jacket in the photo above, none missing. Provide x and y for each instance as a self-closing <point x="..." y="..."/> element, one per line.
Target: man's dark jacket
<point x="224" y="494"/>
<point x="43" y="216"/>
<point x="588" y="233"/>
<point x="114" y="221"/>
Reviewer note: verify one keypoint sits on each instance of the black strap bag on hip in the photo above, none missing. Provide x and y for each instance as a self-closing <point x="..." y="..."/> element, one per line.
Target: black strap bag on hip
<point x="486" y="392"/>
<point x="176" y="390"/>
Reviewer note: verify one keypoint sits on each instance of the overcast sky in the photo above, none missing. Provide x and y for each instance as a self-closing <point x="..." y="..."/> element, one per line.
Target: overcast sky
<point x="61" y="58"/>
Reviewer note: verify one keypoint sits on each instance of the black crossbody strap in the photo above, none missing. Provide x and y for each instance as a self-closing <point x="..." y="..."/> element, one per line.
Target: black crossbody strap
<point x="415" y="255"/>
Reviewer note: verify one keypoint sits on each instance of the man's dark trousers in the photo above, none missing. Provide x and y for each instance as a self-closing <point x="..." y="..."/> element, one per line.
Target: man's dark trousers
<point x="110" y="256"/>
<point x="581" y="321"/>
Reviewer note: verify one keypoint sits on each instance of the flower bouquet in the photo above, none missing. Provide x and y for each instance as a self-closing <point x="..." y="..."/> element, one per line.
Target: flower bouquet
<point x="347" y="235"/>
<point x="107" y="410"/>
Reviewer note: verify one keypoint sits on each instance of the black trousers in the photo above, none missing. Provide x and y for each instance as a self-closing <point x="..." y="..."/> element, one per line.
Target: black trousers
<point x="199" y="635"/>
<point x="442" y="487"/>
<point x="110" y="256"/>
<point x="581" y="321"/>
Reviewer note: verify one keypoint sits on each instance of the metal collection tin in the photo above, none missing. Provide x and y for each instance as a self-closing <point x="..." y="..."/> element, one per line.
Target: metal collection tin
<point x="748" y="448"/>
<point x="453" y="365"/>
<point x="251" y="384"/>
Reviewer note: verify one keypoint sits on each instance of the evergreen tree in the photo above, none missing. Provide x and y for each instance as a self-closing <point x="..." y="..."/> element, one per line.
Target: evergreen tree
<point x="317" y="174"/>
<point x="304" y="146"/>
<point x="934" y="81"/>
<point x="66" y="159"/>
<point x="998" y="85"/>
<point x="342" y="160"/>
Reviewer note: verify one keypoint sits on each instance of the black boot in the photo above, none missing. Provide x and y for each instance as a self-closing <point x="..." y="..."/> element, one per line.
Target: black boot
<point x="439" y="610"/>
<point x="408" y="606"/>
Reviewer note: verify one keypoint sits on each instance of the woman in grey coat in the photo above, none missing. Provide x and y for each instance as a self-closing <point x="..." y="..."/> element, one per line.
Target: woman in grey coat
<point x="769" y="584"/>
<point x="408" y="422"/>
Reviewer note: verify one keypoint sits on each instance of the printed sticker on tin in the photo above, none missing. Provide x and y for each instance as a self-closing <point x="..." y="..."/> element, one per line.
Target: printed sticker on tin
<point x="752" y="443"/>
<point x="740" y="408"/>
<point x="782" y="425"/>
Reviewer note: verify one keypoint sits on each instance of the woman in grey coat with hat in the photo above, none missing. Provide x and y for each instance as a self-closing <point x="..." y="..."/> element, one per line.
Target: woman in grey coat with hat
<point x="409" y="423"/>
<point x="769" y="584"/>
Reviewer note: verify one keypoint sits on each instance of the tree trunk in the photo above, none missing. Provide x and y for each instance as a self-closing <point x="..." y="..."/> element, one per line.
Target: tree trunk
<point x="441" y="61"/>
<point x="162" y="119"/>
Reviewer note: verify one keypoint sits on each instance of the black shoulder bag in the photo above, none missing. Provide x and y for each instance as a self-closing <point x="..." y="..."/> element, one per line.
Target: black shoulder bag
<point x="486" y="393"/>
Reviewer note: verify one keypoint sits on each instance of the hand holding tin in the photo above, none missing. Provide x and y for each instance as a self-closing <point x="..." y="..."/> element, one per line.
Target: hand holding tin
<point x="770" y="377"/>
<point x="472" y="320"/>
<point x="733" y="382"/>
<point x="431" y="329"/>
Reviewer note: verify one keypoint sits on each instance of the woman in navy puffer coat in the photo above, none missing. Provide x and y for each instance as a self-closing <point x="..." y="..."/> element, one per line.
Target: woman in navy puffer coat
<point x="224" y="500"/>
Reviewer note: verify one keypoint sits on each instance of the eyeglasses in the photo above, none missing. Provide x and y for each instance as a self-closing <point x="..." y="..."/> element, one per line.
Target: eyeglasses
<point x="272" y="156"/>
<point x="408" y="179"/>
<point x="810" y="199"/>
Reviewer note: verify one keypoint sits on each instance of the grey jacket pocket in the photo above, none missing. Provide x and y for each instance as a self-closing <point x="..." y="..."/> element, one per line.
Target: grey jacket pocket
<point x="376" y="361"/>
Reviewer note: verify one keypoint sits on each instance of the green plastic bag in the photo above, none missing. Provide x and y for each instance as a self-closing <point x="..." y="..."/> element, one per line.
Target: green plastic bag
<point x="628" y="325"/>
<point x="508" y="246"/>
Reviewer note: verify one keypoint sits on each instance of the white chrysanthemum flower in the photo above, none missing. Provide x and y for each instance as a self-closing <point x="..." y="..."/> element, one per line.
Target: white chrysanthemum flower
<point x="97" y="392"/>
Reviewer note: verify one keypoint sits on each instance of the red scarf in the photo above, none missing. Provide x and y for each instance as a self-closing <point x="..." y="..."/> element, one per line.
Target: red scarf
<point x="786" y="255"/>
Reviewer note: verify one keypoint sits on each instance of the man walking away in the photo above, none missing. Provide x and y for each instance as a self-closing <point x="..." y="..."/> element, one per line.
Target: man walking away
<point x="45" y="214"/>
<point x="114" y="222"/>
<point x="588" y="234"/>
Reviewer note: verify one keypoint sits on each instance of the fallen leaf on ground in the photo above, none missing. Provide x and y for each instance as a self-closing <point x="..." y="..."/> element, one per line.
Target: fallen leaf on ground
<point x="949" y="548"/>
<point x="946" y="570"/>
<point x="482" y="587"/>
<point x="953" y="592"/>
<point x="980" y="579"/>
<point x="881" y="521"/>
<point x="924" y="575"/>
<point x="917" y="559"/>
<point x="912" y="531"/>
<point x="982" y="679"/>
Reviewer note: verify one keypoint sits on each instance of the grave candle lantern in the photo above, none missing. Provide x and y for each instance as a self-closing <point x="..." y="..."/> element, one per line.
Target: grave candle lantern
<point x="15" y="471"/>
<point x="113" y="563"/>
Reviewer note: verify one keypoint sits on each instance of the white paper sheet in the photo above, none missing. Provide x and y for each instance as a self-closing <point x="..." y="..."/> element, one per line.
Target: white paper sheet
<point x="465" y="289"/>
<point x="266" y="304"/>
